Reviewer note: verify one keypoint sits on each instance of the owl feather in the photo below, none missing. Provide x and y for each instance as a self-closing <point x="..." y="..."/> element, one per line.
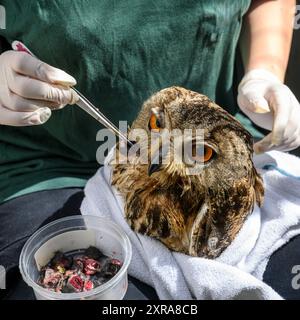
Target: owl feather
<point x="199" y="214"/>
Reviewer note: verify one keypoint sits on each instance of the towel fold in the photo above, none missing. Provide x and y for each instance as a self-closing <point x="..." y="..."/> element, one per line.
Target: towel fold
<point x="237" y="273"/>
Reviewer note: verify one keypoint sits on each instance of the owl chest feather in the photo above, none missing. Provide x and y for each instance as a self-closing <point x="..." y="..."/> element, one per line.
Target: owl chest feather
<point x="157" y="211"/>
<point x="197" y="222"/>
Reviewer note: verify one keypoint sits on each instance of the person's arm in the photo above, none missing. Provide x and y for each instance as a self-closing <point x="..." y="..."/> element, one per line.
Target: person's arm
<point x="267" y="35"/>
<point x="265" y="45"/>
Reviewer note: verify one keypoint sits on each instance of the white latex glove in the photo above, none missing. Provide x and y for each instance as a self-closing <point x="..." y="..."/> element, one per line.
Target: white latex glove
<point x="271" y="105"/>
<point x="30" y="88"/>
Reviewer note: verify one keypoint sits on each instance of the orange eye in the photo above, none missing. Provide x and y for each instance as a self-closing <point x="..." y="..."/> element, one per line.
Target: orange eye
<point x="202" y="153"/>
<point x="154" y="123"/>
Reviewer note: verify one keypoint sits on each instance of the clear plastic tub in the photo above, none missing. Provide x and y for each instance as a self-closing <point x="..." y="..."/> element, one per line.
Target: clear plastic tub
<point x="73" y="233"/>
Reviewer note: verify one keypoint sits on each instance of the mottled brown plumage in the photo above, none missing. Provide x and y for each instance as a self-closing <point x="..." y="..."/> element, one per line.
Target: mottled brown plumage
<point x="197" y="214"/>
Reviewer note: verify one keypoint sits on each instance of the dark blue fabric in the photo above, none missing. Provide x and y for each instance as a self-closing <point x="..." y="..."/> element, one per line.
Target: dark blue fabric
<point x="279" y="273"/>
<point x="21" y="217"/>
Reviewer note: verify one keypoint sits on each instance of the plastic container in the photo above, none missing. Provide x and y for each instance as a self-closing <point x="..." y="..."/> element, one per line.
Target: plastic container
<point x="73" y="233"/>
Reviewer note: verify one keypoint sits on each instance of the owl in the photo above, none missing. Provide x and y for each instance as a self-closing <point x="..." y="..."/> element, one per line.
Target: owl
<point x="197" y="214"/>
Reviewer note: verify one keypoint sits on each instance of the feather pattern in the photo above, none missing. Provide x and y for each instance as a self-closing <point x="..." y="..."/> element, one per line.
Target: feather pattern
<point x="198" y="214"/>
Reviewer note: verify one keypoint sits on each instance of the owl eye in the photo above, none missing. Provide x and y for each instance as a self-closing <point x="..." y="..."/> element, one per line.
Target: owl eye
<point x="154" y="123"/>
<point x="202" y="153"/>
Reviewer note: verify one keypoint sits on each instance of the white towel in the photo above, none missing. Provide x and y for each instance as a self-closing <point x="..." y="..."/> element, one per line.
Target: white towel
<point x="237" y="273"/>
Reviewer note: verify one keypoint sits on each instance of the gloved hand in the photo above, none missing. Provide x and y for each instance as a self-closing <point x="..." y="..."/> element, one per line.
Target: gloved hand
<point x="271" y="105"/>
<point x="30" y="88"/>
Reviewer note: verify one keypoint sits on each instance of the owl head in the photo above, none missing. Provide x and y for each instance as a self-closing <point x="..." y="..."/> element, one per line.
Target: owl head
<point x="199" y="183"/>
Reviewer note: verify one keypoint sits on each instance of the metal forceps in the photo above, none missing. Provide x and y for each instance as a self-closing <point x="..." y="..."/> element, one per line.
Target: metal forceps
<point x="88" y="107"/>
<point x="83" y="102"/>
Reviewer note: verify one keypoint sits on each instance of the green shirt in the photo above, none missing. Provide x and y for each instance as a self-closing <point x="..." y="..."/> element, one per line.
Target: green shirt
<point x="120" y="52"/>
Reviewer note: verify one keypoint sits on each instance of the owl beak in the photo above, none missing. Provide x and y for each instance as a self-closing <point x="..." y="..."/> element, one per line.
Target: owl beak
<point x="153" y="168"/>
<point x="157" y="160"/>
